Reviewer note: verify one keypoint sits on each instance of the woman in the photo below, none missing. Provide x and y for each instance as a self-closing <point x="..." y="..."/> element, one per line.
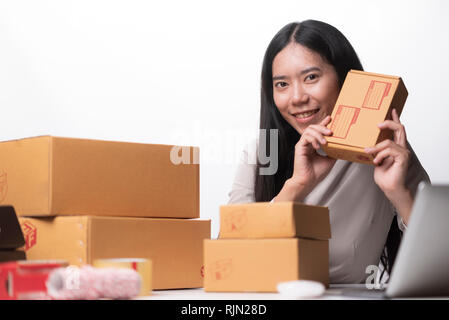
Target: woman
<point x="303" y="70"/>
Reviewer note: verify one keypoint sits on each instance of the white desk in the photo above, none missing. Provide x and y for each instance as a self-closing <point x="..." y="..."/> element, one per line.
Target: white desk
<point x="333" y="293"/>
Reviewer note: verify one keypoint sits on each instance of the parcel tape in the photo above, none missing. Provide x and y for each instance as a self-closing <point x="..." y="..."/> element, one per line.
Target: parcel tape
<point x="142" y="266"/>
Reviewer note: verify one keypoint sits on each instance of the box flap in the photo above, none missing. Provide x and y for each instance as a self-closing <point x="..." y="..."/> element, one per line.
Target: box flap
<point x="375" y="74"/>
<point x="27" y="138"/>
<point x="11" y="236"/>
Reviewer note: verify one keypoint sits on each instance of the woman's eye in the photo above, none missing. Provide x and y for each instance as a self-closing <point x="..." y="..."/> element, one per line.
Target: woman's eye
<point x="281" y="84"/>
<point x="311" y="77"/>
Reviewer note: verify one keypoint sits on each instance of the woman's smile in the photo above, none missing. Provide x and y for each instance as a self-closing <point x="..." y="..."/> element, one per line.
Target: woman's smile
<point x="307" y="116"/>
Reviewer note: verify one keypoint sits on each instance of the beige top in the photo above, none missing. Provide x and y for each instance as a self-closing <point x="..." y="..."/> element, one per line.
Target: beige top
<point x="360" y="213"/>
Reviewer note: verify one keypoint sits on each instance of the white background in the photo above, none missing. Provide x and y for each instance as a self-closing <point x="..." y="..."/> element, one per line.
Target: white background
<point x="188" y="72"/>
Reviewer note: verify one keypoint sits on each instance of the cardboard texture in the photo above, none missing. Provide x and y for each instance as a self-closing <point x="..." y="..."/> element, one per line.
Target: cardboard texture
<point x="46" y="176"/>
<point x="274" y="220"/>
<point x="173" y="245"/>
<point x="258" y="265"/>
<point x="365" y="100"/>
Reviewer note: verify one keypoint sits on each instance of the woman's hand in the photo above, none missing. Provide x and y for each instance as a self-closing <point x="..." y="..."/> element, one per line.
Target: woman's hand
<point x="309" y="167"/>
<point x="391" y="159"/>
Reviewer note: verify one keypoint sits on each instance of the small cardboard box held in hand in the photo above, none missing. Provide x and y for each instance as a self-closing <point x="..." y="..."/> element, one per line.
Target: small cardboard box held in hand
<point x="365" y="100"/>
<point x="173" y="245"/>
<point x="267" y="247"/>
<point x="47" y="176"/>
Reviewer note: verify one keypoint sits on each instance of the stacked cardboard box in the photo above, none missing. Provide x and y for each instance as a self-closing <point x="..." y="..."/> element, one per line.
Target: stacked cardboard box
<point x="262" y="244"/>
<point x="82" y="200"/>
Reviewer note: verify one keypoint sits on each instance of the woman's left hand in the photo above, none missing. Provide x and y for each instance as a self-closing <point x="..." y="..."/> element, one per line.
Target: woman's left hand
<point x="391" y="159"/>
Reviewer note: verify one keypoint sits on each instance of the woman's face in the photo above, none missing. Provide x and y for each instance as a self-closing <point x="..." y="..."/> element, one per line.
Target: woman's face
<point x="305" y="86"/>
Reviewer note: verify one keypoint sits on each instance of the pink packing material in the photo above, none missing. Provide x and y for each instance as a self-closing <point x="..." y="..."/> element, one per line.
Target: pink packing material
<point x="89" y="283"/>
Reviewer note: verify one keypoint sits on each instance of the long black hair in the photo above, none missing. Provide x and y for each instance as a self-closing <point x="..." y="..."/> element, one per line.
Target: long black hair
<point x="335" y="49"/>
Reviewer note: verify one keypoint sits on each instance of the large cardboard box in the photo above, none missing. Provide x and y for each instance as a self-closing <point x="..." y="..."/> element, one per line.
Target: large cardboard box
<point x="365" y="100"/>
<point x="260" y="264"/>
<point x="274" y="220"/>
<point x="47" y="175"/>
<point x="175" y="246"/>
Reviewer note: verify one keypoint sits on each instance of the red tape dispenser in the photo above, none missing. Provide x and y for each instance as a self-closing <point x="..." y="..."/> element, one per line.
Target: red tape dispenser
<point x="26" y="279"/>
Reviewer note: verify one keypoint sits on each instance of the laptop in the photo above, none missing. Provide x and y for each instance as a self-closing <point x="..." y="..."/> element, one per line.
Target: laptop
<point x="421" y="268"/>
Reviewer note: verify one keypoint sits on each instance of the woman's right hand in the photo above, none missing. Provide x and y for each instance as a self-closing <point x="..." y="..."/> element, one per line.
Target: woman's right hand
<point x="309" y="167"/>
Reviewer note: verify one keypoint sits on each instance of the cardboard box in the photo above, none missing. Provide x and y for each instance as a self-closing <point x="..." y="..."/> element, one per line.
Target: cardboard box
<point x="260" y="264"/>
<point x="274" y="220"/>
<point x="365" y="100"/>
<point x="47" y="175"/>
<point x="175" y="246"/>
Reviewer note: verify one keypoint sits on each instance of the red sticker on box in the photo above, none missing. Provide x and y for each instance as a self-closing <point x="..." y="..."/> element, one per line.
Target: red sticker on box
<point x="346" y="116"/>
<point x="221" y="269"/>
<point x="377" y="91"/>
<point x="30" y="234"/>
<point x="235" y="221"/>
